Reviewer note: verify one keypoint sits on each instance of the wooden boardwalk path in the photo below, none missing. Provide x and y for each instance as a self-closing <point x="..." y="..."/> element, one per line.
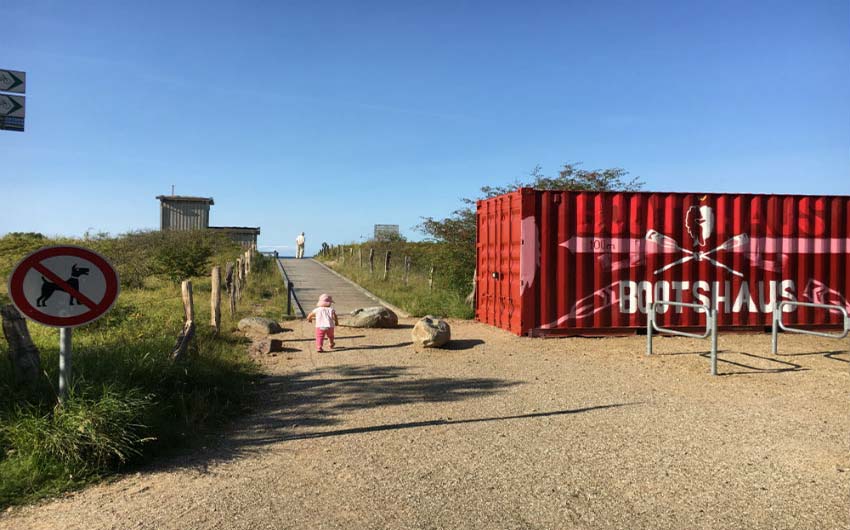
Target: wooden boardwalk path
<point x="311" y="279"/>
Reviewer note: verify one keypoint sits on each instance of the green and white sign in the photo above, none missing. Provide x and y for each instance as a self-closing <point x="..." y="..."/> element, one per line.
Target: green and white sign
<point x="13" y="81"/>
<point x="12" y="106"/>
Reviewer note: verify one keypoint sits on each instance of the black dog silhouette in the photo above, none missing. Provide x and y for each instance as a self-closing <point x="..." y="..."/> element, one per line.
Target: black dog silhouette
<point x="48" y="287"/>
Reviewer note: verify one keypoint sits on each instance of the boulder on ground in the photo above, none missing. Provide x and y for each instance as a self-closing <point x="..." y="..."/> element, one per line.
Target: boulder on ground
<point x="261" y="325"/>
<point x="371" y="317"/>
<point x="266" y="346"/>
<point x="431" y="332"/>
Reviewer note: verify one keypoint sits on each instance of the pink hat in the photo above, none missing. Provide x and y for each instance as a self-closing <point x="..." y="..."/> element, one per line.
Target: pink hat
<point x="325" y="300"/>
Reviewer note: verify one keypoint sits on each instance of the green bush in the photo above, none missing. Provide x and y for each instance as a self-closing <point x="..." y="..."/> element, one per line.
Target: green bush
<point x="175" y="255"/>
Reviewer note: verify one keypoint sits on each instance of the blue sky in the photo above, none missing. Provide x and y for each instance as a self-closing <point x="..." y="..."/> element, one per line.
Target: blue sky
<point x="329" y="117"/>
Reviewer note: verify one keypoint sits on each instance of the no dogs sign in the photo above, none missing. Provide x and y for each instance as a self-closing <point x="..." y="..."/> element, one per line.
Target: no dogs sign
<point x="64" y="286"/>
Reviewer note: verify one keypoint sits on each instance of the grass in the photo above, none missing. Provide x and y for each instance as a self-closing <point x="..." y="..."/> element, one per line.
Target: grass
<point x="129" y="402"/>
<point x="415" y="297"/>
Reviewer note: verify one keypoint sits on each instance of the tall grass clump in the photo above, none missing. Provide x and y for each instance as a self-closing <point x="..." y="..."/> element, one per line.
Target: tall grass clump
<point x="129" y="401"/>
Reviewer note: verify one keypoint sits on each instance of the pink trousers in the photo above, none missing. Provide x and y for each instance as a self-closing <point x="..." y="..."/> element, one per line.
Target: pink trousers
<point x="321" y="333"/>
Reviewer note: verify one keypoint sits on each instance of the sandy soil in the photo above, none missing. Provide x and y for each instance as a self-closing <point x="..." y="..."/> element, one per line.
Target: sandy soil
<point x="508" y="432"/>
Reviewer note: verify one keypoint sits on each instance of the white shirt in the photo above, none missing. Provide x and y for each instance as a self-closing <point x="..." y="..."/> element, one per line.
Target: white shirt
<point x="324" y="317"/>
<point x="299" y="240"/>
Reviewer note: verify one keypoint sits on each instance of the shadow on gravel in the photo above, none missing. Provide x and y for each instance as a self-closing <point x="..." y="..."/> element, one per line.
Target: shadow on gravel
<point x="431" y="423"/>
<point x="784" y="366"/>
<point x="463" y="344"/>
<point x="827" y="354"/>
<point x="298" y="404"/>
<point x="376" y="347"/>
<point x="338" y="337"/>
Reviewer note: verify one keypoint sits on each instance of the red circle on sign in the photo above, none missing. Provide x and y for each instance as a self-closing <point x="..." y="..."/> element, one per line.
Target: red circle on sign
<point x="16" y="286"/>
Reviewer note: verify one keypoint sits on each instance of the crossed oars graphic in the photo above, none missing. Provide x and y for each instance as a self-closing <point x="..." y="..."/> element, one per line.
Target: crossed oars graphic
<point x="670" y="243"/>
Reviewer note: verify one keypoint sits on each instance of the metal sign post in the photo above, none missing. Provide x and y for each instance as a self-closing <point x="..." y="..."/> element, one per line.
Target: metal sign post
<point x="63" y="287"/>
<point x="64" y="363"/>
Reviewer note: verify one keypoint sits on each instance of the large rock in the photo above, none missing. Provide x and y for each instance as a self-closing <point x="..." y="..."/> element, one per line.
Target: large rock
<point x="265" y="346"/>
<point x="371" y="317"/>
<point x="431" y="332"/>
<point x="259" y="325"/>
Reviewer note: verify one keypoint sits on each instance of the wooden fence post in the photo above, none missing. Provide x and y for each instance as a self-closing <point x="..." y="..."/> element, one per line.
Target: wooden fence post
<point x="360" y="256"/>
<point x="431" y="279"/>
<point x="188" y="299"/>
<point x="470" y="299"/>
<point x="228" y="276"/>
<point x="406" y="269"/>
<point x="371" y="261"/>
<point x="237" y="279"/>
<point x="228" y="282"/>
<point x="188" y="332"/>
<point x="23" y="354"/>
<point x="215" y="299"/>
<point x="387" y="265"/>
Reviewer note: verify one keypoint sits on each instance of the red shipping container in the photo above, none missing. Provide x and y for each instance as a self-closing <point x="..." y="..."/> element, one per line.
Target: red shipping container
<point x="587" y="263"/>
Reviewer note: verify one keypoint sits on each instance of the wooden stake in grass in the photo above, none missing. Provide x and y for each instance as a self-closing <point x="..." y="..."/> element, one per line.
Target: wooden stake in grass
<point x="360" y="257"/>
<point x="470" y="299"/>
<point x="406" y="268"/>
<point x="228" y="276"/>
<point x="237" y="279"/>
<point x="232" y="300"/>
<point x="188" y="332"/>
<point x="387" y="265"/>
<point x="371" y="261"/>
<point x="23" y="354"/>
<point x="231" y="287"/>
<point x="431" y="279"/>
<point x="188" y="300"/>
<point x="215" y="300"/>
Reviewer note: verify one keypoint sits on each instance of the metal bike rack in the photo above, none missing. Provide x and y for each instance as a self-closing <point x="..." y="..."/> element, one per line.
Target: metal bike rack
<point x="710" y="327"/>
<point x="777" y="322"/>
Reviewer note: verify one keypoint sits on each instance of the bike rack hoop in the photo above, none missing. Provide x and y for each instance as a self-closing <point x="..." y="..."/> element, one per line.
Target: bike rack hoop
<point x="659" y="303"/>
<point x="710" y="326"/>
<point x="778" y="324"/>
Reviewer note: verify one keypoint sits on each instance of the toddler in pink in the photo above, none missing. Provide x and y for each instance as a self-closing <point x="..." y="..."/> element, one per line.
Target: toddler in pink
<point x="326" y="319"/>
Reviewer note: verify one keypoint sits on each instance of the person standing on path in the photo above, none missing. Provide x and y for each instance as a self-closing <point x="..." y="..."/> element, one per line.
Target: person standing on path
<point x="299" y="246"/>
<point x="326" y="319"/>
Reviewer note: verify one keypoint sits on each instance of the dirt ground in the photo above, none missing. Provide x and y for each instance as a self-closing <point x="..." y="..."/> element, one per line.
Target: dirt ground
<point x="505" y="432"/>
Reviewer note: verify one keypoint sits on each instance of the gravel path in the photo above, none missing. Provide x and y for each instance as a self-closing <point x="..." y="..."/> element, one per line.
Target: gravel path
<point x="506" y="432"/>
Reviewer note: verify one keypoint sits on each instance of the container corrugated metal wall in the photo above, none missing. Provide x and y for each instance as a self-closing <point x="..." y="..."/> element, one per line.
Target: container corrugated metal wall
<point x="588" y="262"/>
<point x="498" y="268"/>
